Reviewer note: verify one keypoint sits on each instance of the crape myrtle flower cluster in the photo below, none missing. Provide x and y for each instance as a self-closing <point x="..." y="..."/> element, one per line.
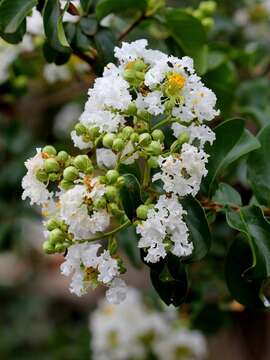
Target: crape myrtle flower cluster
<point x="123" y="122"/>
<point x="161" y="333"/>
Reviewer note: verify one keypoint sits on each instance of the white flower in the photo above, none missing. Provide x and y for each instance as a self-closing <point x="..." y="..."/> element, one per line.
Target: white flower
<point x="164" y="221"/>
<point x="33" y="188"/>
<point x="7" y="55"/>
<point x="79" y="142"/>
<point x="108" y="267"/>
<point x="117" y="292"/>
<point x="130" y="51"/>
<point x="128" y="154"/>
<point x="183" y="175"/>
<point x="151" y="103"/>
<point x="34" y="23"/>
<point x="106" y="158"/>
<point x="196" y="132"/>
<point x="105" y="120"/>
<point x="74" y="212"/>
<point x="181" y="344"/>
<point x="53" y="73"/>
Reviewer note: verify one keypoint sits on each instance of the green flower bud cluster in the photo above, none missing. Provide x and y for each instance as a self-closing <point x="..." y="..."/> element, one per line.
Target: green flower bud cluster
<point x="205" y="13"/>
<point x="142" y="211"/>
<point x="118" y="142"/>
<point x="135" y="72"/>
<point x="53" y="164"/>
<point x="58" y="239"/>
<point x="177" y="144"/>
<point x="151" y="144"/>
<point x="87" y="134"/>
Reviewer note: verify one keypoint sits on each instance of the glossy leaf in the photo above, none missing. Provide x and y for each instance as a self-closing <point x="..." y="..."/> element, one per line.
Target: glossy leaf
<point x="259" y="168"/>
<point x="244" y="291"/>
<point x="105" y="43"/>
<point x="227" y="195"/>
<point x="105" y="7"/>
<point x="251" y="222"/>
<point x="197" y="224"/>
<point x="130" y="194"/>
<point x="128" y="241"/>
<point x="17" y="36"/>
<point x="86" y="5"/>
<point x="13" y="13"/>
<point x="190" y="34"/>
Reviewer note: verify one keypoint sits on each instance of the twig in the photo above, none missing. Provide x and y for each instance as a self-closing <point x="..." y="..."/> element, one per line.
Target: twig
<point x="130" y="27"/>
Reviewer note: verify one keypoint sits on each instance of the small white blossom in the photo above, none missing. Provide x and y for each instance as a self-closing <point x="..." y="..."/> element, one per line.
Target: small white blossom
<point x="151" y="103"/>
<point x="196" y="132"/>
<point x="117" y="292"/>
<point x="33" y="188"/>
<point x="53" y="73"/>
<point x="163" y="221"/>
<point x="106" y="158"/>
<point x="79" y="142"/>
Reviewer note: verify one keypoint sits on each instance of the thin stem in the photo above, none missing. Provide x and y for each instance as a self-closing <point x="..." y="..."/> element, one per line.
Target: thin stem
<point x="108" y="234"/>
<point x="131" y="27"/>
<point x="161" y="123"/>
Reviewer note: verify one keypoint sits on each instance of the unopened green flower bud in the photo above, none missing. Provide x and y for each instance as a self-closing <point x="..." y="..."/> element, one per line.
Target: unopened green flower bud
<point x="169" y="104"/>
<point x="70" y="173"/>
<point x="100" y="203"/>
<point x="60" y="248"/>
<point x="56" y="236"/>
<point x="53" y="177"/>
<point x="62" y="156"/>
<point x="42" y="175"/>
<point x="107" y="140"/>
<point x="89" y="170"/>
<point x="127" y="131"/>
<point x="114" y="209"/>
<point x="111" y="193"/>
<point x="111" y="176"/>
<point x="141" y="126"/>
<point x="82" y="162"/>
<point x="197" y="14"/>
<point x="158" y="135"/>
<point x="52" y="224"/>
<point x="51" y="165"/>
<point x="183" y="138"/>
<point x="93" y="132"/>
<point x="102" y="179"/>
<point x="155" y="148"/>
<point x="49" y="149"/>
<point x="134" y="137"/>
<point x="118" y="144"/>
<point x="142" y="211"/>
<point x="153" y="162"/>
<point x="48" y="248"/>
<point x="208" y="7"/>
<point x="80" y="129"/>
<point x="208" y="23"/>
<point x="139" y="65"/>
<point x="66" y="185"/>
<point x="129" y="75"/>
<point x="144" y="139"/>
<point x="144" y="115"/>
<point x="132" y="109"/>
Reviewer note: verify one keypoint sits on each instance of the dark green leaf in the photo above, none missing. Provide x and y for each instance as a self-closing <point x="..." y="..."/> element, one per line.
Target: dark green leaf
<point x="133" y="169"/>
<point x="130" y="195"/>
<point x="52" y="55"/>
<point x="105" y="7"/>
<point x="227" y="195"/>
<point x="251" y="222"/>
<point x="89" y="25"/>
<point x="13" y="13"/>
<point x="190" y="35"/>
<point x="259" y="168"/>
<point x="128" y="241"/>
<point x="105" y="43"/>
<point x="238" y="260"/>
<point x="17" y="36"/>
<point x="86" y="5"/>
<point x="197" y="224"/>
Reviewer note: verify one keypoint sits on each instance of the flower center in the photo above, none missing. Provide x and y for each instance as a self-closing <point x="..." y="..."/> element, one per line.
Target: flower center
<point x="176" y="80"/>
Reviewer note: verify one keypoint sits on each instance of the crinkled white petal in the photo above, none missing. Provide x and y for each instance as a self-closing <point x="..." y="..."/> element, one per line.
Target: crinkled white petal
<point x="106" y="158"/>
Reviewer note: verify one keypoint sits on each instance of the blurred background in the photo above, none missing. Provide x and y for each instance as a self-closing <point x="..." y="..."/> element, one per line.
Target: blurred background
<point x="39" y="104"/>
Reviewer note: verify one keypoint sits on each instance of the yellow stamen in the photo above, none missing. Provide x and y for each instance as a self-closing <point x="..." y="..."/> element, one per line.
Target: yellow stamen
<point x="176" y="80"/>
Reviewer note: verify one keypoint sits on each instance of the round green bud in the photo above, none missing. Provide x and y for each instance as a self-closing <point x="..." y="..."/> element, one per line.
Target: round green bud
<point x="89" y="169"/>
<point x="114" y="209"/>
<point x="63" y="226"/>
<point x="111" y="176"/>
<point x="51" y="166"/>
<point x="208" y="23"/>
<point x="66" y="185"/>
<point x="144" y="115"/>
<point x="49" y="149"/>
<point x="111" y="193"/>
<point x="52" y="224"/>
<point x="56" y="236"/>
<point x="53" y="177"/>
<point x="41" y="175"/>
<point x="153" y="162"/>
<point x="118" y="144"/>
<point x="169" y="104"/>
<point x="100" y="203"/>
<point x="70" y="173"/>
<point x="82" y="162"/>
<point x="155" y="148"/>
<point x="141" y="126"/>
<point x="140" y="75"/>
<point x="197" y="14"/>
<point x="102" y="179"/>
<point x="60" y="248"/>
<point x="183" y="138"/>
<point x="80" y="129"/>
<point x="129" y="75"/>
<point x="120" y="181"/>
<point x="144" y="139"/>
<point x="208" y="7"/>
<point x="134" y="137"/>
<point x="139" y="65"/>
<point x="107" y="140"/>
<point x="48" y="248"/>
<point x="93" y="132"/>
<point x="62" y="156"/>
<point x="158" y="135"/>
<point x="132" y="109"/>
<point x="142" y="211"/>
<point x="127" y="131"/>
